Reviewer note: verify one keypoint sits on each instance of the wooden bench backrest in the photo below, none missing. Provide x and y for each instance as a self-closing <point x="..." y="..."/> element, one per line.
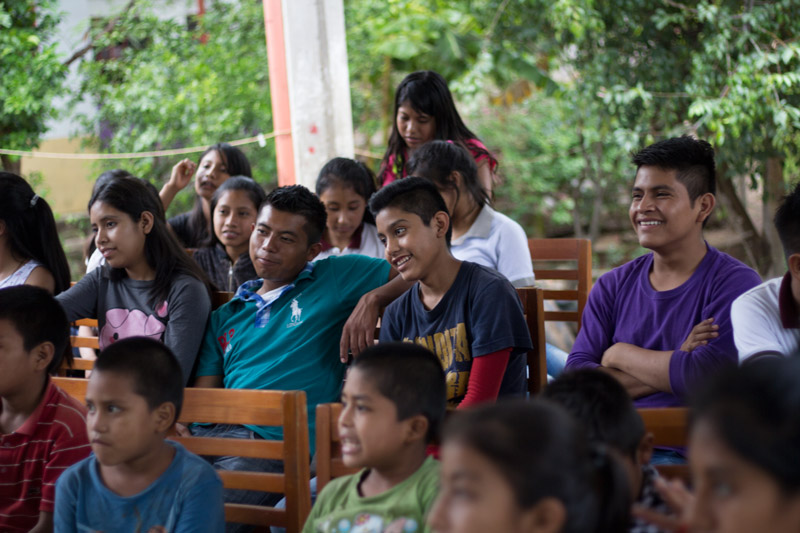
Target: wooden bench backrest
<point x="532" y="300"/>
<point x="266" y="408"/>
<point x="669" y="426"/>
<point x="329" y="447"/>
<point x="578" y="253"/>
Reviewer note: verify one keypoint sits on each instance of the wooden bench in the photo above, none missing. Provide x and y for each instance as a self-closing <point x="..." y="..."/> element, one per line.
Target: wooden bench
<point x="532" y="300"/>
<point x="329" y="447"/>
<point x="286" y="409"/>
<point x="669" y="426"/>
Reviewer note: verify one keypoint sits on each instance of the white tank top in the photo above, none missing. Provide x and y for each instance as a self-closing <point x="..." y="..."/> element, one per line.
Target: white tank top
<point x="20" y="276"/>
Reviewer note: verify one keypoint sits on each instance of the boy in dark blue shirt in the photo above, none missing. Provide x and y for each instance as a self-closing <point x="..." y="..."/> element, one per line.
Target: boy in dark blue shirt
<point x="467" y="314"/>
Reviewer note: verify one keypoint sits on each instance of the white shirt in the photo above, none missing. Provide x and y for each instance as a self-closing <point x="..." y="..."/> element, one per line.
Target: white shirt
<point x="370" y="245"/>
<point x="759" y="323"/>
<point x="496" y="241"/>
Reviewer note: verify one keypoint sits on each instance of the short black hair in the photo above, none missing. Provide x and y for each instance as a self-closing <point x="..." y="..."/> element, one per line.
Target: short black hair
<point x="154" y="369"/>
<point x="753" y="411"/>
<point x="298" y="200"/>
<point x="787" y="222"/>
<point x="413" y="195"/>
<point x="692" y="159"/>
<point x="411" y="377"/>
<point x="602" y="406"/>
<point x="38" y="318"/>
<point x="436" y="160"/>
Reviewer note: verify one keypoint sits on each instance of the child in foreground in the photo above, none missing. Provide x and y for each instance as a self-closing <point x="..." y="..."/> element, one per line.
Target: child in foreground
<point x="526" y="467"/>
<point x="135" y="480"/>
<point x="603" y="408"/>
<point x="42" y="429"/>
<point x="393" y="402"/>
<point x="469" y="315"/>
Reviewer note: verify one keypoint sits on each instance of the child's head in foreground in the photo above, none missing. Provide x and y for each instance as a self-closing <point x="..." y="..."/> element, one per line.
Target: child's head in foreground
<point x="134" y="397"/>
<point x="744" y="449"/>
<point x="526" y="467"/>
<point x="34" y="335"/>
<point x="393" y="402"/>
<point x="606" y="412"/>
<point x="413" y="223"/>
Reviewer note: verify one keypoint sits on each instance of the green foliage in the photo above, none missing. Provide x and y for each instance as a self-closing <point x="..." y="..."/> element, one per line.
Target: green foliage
<point x="32" y="73"/>
<point x="175" y="86"/>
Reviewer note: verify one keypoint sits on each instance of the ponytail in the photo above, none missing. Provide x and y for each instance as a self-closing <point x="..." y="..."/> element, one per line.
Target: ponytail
<point x="31" y="228"/>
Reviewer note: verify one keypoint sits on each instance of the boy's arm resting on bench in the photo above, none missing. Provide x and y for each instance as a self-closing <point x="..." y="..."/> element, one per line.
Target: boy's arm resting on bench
<point x="359" y="330"/>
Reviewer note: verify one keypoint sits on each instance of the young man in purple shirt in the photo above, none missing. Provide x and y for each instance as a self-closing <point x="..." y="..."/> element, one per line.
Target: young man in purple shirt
<point x="661" y="323"/>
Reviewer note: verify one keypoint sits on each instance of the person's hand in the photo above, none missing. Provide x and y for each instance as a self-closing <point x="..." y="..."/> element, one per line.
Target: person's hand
<point x="678" y="498"/>
<point x="182" y="173"/>
<point x="700" y="335"/>
<point x="181" y="430"/>
<point x="359" y="331"/>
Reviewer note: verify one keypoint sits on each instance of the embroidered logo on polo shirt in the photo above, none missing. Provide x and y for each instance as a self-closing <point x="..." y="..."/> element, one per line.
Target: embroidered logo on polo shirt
<point x="297" y="313"/>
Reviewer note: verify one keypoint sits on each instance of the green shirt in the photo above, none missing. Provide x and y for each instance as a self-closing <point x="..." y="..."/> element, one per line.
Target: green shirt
<point x="298" y="347"/>
<point x="401" y="509"/>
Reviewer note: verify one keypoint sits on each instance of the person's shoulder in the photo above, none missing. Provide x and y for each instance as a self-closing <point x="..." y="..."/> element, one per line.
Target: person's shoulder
<point x="480" y="276"/>
<point x="194" y="469"/>
<point x="765" y="293"/>
<point x="79" y="474"/>
<point x="337" y="489"/>
<point x="623" y="272"/>
<point x="179" y="219"/>
<point x="727" y="264"/>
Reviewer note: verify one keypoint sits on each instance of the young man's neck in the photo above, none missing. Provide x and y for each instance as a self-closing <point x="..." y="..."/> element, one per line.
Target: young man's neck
<point x="18" y="407"/>
<point x="674" y="265"/>
<point x="381" y="479"/>
<point x="132" y="477"/>
<point x="440" y="278"/>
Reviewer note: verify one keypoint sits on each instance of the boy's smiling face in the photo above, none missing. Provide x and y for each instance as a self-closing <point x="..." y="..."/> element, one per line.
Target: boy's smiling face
<point x="369" y="430"/>
<point x="411" y="245"/>
<point x="122" y="428"/>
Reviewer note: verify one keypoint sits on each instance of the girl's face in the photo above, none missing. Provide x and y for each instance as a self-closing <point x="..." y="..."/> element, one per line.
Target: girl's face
<point x="211" y="173"/>
<point x="234" y="218"/>
<point x="733" y="495"/>
<point x="415" y="128"/>
<point x="474" y="496"/>
<point x="345" y="209"/>
<point x="121" y="239"/>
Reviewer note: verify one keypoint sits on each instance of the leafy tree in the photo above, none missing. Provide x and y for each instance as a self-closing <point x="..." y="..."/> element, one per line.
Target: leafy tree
<point x="32" y="74"/>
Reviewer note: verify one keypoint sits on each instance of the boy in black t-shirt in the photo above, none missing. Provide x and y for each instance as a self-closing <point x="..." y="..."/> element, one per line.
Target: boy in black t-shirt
<point x="467" y="314"/>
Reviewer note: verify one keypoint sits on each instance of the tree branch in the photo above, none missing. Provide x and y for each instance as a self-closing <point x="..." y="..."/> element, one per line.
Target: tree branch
<point x="79" y="53"/>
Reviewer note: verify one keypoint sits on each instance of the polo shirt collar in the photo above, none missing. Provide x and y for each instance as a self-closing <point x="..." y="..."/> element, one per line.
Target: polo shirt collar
<point x="247" y="292"/>
<point x="29" y="426"/>
<point x="480" y="228"/>
<point x="790" y="314"/>
<point x="355" y="240"/>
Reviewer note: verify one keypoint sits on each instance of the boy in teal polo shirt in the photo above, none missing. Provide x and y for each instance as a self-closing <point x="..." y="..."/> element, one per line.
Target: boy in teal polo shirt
<point x="282" y="331"/>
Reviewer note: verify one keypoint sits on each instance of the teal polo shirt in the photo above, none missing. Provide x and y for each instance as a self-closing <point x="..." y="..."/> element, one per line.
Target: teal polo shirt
<point x="298" y="347"/>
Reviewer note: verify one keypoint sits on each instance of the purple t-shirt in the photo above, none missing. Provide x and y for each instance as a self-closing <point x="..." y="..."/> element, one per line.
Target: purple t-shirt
<point x="624" y="307"/>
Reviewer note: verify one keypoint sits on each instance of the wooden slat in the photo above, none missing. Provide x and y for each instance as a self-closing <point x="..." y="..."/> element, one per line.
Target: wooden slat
<point x="75" y="387"/>
<point x="557" y="273"/>
<point x="532" y="301"/>
<point x="227" y="406"/>
<point x="255" y="515"/>
<point x="84" y="342"/>
<point x="89" y="322"/>
<point x="258" y="481"/>
<point x="667" y="424"/>
<point x="561" y="316"/>
<point x="260" y="448"/>
<point x="555" y="249"/>
<point x="551" y="294"/>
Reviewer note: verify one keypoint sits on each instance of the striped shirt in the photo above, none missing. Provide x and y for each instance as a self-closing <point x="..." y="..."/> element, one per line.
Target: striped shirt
<point x="51" y="440"/>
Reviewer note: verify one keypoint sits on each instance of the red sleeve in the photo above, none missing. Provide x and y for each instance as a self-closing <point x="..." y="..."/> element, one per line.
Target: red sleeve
<point x="485" y="378"/>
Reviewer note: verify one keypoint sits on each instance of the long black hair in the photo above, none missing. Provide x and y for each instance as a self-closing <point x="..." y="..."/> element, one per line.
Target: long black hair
<point x="162" y="250"/>
<point x="427" y="93"/>
<point x="348" y="173"/>
<point x="254" y="192"/>
<point x="541" y="452"/>
<point x="236" y="164"/>
<point x="31" y="228"/>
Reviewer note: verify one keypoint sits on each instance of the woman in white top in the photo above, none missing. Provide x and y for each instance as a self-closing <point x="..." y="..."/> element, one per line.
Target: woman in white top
<point x="480" y="234"/>
<point x="30" y="251"/>
<point x="344" y="187"/>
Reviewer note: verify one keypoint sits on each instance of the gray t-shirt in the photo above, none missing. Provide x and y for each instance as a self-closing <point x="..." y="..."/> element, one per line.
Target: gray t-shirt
<point x="122" y="310"/>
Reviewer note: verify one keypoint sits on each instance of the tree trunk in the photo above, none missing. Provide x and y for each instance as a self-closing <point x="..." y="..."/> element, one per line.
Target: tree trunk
<point x="773" y="194"/>
<point x="11" y="164"/>
<point x="754" y="245"/>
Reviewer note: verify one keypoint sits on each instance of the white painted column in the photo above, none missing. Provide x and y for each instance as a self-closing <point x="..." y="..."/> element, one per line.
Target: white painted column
<point x="319" y="84"/>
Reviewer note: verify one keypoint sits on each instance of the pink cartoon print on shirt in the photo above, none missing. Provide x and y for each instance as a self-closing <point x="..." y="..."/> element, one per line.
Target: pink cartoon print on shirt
<point x="123" y="323"/>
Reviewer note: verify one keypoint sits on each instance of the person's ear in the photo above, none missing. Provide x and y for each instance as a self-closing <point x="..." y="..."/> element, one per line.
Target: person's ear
<point x="707" y="202"/>
<point x="313" y="251"/>
<point x="416" y="428"/>
<point x="455" y="178"/>
<point x="644" y="452"/>
<point x="547" y="516"/>
<point x="441" y="222"/>
<point x="793" y="261"/>
<point x="146" y="221"/>
<point x="42" y="355"/>
<point x="164" y="417"/>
